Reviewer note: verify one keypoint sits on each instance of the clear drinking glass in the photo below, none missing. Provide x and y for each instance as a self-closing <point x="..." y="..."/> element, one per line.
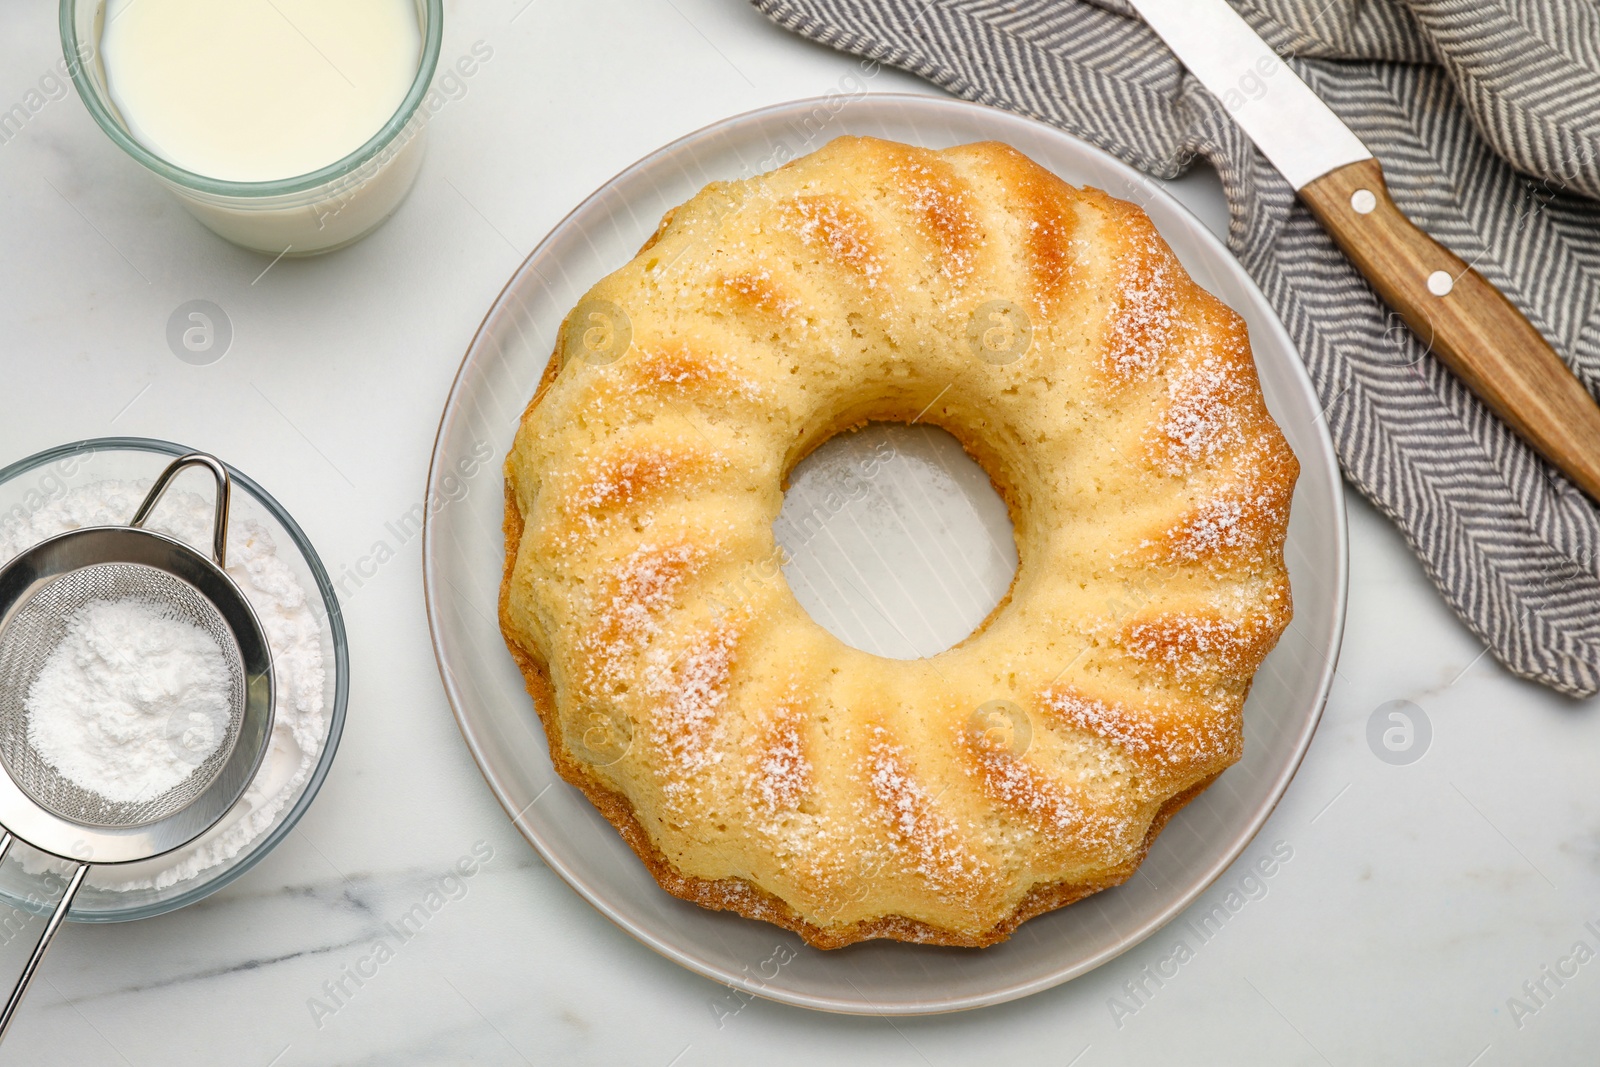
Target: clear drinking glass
<point x="299" y="216"/>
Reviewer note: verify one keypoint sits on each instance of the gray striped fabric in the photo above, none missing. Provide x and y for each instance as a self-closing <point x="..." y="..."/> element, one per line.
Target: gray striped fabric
<point x="1486" y="117"/>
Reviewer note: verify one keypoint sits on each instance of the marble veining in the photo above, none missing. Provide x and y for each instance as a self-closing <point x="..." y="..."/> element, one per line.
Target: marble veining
<point x="1424" y="896"/>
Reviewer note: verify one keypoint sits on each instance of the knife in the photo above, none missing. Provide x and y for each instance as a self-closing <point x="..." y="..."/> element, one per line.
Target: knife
<point x="1468" y="323"/>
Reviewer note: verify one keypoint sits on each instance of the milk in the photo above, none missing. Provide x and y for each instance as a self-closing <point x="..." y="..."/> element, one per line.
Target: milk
<point x="258" y="90"/>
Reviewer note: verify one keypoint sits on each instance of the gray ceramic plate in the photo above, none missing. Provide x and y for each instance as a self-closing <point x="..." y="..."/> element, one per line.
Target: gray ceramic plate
<point x="463" y="553"/>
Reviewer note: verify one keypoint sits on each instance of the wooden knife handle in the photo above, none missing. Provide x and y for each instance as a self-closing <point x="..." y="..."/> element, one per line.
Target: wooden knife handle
<point x="1468" y="323"/>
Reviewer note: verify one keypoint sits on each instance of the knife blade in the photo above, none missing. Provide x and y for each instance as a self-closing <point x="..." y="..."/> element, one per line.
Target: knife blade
<point x="1298" y="133"/>
<point x="1465" y="321"/>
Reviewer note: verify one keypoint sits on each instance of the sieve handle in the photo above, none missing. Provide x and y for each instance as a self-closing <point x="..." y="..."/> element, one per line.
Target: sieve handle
<point x="28" y="971"/>
<point x="219" y="471"/>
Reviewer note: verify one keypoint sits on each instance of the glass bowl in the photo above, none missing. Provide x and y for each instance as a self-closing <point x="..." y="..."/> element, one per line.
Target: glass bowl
<point x="299" y="216"/>
<point x="30" y="484"/>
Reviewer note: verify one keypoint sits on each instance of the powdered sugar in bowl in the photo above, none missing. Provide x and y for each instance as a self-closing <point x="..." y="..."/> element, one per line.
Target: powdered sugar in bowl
<point x="99" y="482"/>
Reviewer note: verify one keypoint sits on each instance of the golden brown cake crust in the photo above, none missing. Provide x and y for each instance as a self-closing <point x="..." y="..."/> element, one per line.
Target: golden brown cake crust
<point x="739" y="896"/>
<point x="1179" y="648"/>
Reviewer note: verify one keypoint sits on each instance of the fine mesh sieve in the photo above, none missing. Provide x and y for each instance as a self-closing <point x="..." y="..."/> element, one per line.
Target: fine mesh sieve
<point x="41" y="591"/>
<point x="39" y="627"/>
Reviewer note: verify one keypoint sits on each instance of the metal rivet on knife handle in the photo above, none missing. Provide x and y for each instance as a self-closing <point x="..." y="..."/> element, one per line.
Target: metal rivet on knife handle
<point x="1476" y="332"/>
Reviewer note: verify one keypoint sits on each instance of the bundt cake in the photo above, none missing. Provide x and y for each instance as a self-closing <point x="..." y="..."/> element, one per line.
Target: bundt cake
<point x="755" y="762"/>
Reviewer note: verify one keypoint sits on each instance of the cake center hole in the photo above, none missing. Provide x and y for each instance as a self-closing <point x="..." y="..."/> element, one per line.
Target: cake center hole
<point x="897" y="542"/>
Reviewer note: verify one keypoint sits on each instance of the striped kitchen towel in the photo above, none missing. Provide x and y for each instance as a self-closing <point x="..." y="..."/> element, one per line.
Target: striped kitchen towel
<point x="1486" y="117"/>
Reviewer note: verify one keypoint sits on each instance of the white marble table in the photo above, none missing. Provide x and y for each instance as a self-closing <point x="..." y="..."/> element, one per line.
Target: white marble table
<point x="1416" y="899"/>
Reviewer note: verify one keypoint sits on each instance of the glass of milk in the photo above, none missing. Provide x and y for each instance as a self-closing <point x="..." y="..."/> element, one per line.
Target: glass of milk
<point x="290" y="127"/>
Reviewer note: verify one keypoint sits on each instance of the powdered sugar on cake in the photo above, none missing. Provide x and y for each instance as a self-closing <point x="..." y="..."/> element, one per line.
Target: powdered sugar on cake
<point x="687" y="693"/>
<point x="1142" y="325"/>
<point x="935" y="847"/>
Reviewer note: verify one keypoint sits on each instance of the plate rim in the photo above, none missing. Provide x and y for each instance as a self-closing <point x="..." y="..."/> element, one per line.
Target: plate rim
<point x="1326" y="457"/>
